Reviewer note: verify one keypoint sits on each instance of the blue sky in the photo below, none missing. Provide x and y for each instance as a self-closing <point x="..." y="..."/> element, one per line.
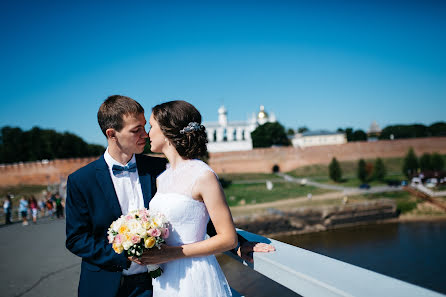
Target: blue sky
<point x="320" y="64"/>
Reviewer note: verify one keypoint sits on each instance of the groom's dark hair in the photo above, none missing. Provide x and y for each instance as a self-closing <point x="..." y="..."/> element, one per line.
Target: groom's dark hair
<point x="111" y="113"/>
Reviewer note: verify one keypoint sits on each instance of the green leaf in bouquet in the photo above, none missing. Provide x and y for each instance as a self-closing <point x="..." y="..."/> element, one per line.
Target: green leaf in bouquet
<point x="155" y="273"/>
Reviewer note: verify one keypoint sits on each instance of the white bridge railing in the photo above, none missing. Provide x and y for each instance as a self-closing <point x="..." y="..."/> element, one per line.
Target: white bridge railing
<point x="311" y="274"/>
<point x="429" y="192"/>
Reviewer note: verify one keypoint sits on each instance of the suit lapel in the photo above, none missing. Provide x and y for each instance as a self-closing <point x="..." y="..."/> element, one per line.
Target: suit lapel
<point x="104" y="180"/>
<point x="145" y="179"/>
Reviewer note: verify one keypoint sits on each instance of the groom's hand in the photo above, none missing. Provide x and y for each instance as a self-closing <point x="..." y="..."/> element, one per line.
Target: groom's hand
<point x="158" y="256"/>
<point x="247" y="248"/>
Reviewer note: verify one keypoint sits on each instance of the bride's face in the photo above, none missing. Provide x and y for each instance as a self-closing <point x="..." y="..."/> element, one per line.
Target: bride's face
<point x="157" y="138"/>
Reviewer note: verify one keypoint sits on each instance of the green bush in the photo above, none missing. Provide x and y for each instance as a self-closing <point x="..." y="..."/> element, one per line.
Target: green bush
<point x="334" y="170"/>
<point x="405" y="206"/>
<point x="379" y="170"/>
<point x="362" y="172"/>
<point x="410" y="163"/>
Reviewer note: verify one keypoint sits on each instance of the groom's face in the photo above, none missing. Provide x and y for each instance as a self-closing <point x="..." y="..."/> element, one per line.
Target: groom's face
<point x="132" y="137"/>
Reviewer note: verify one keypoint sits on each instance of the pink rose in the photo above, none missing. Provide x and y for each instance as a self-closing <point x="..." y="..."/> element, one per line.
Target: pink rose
<point x="119" y="239"/>
<point x="165" y="233"/>
<point x="129" y="217"/>
<point x="135" y="239"/>
<point x="154" y="232"/>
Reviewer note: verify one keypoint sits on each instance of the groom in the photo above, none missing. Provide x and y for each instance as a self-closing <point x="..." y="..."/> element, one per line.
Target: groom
<point x="118" y="182"/>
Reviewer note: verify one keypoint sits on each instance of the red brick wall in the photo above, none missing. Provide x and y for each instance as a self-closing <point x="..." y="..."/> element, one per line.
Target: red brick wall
<point x="258" y="160"/>
<point x="289" y="158"/>
<point x="36" y="173"/>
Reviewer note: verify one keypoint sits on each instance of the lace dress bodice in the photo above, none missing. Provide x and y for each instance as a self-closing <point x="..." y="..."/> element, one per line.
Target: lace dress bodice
<point x="188" y="219"/>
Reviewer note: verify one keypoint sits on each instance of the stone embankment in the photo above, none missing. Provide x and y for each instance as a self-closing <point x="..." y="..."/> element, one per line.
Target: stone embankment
<point x="312" y="219"/>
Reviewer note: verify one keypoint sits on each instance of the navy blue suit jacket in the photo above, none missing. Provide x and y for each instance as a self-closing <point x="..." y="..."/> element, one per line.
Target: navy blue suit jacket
<point x="91" y="206"/>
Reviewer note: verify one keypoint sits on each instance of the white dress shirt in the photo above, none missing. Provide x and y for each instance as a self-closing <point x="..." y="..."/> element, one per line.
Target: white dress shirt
<point x="129" y="192"/>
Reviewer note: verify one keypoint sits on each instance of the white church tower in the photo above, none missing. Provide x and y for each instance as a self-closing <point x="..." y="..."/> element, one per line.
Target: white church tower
<point x="222" y="116"/>
<point x="224" y="136"/>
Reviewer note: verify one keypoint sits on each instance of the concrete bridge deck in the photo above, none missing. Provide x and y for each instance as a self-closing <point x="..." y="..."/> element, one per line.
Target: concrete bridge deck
<point x="35" y="263"/>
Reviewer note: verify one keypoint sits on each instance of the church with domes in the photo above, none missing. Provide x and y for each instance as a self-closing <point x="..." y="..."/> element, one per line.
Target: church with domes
<point x="225" y="136"/>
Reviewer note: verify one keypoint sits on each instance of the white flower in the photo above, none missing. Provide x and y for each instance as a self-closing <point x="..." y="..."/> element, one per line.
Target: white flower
<point x="117" y="224"/>
<point x="127" y="244"/>
<point x="152" y="267"/>
<point x="141" y="231"/>
<point x="157" y="222"/>
<point x="134" y="226"/>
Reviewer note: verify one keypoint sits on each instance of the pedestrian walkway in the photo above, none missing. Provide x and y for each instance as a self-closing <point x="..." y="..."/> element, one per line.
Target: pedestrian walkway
<point x="345" y="190"/>
<point x="34" y="261"/>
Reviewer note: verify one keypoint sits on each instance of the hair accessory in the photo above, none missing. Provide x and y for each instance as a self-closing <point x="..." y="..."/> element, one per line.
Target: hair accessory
<point x="192" y="126"/>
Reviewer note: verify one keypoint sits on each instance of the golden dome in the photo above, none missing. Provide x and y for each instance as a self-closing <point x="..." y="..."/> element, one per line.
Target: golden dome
<point x="262" y="113"/>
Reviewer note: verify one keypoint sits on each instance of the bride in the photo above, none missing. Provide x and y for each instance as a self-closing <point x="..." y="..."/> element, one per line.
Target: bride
<point x="189" y="194"/>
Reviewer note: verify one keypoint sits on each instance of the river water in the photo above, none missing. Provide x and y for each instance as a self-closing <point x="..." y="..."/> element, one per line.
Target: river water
<point x="414" y="252"/>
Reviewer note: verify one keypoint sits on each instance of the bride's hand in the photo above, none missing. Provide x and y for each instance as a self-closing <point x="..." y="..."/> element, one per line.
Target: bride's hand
<point x="157" y="256"/>
<point x="247" y="248"/>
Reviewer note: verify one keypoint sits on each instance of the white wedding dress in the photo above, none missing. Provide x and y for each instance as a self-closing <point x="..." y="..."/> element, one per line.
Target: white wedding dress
<point x="188" y="219"/>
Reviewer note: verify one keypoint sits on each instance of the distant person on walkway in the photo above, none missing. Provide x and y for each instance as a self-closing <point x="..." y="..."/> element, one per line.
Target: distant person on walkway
<point x="7" y="207"/>
<point x="23" y="209"/>
<point x="42" y="207"/>
<point x="59" y="206"/>
<point x="50" y="208"/>
<point x="34" y="208"/>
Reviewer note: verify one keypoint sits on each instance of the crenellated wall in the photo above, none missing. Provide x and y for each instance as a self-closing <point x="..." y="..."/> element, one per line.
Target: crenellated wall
<point x="257" y="160"/>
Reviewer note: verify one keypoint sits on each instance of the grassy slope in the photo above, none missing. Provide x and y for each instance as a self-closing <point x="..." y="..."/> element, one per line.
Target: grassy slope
<point x="239" y="194"/>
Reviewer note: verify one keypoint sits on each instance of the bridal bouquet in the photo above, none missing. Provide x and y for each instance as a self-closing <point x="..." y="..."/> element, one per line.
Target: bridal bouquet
<point x="136" y="231"/>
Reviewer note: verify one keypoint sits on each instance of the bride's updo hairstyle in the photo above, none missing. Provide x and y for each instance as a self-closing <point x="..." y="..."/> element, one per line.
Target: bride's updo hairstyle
<point x="180" y="122"/>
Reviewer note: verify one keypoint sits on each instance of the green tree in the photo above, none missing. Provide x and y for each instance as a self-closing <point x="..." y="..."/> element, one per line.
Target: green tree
<point x="437" y="162"/>
<point x="380" y="170"/>
<point x="334" y="170"/>
<point x="95" y="150"/>
<point x="362" y="171"/>
<point x="408" y="131"/>
<point x="269" y="134"/>
<point x="359" y="135"/>
<point x="410" y="163"/>
<point x="37" y="144"/>
<point x="302" y="129"/>
<point x="349" y="134"/>
<point x="290" y="131"/>
<point x="425" y="162"/>
<point x="437" y="129"/>
<point x="12" y="148"/>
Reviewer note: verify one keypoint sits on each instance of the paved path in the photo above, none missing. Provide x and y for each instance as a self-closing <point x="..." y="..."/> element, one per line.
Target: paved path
<point x="345" y="190"/>
<point x="34" y="261"/>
